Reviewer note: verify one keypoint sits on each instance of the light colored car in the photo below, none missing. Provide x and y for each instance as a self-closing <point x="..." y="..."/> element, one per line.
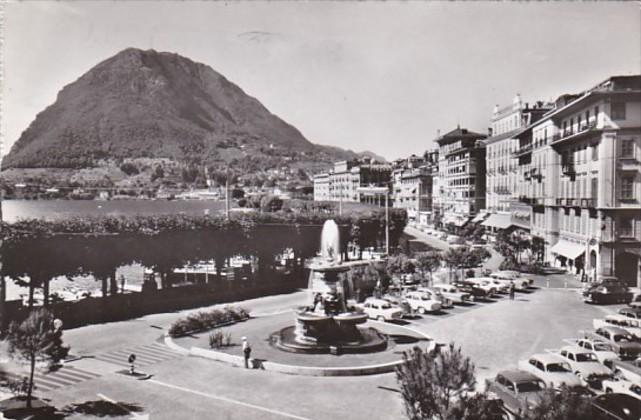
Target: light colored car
<point x="631" y="325"/>
<point x="381" y="310"/>
<point x="422" y="303"/>
<point x="622" y="386"/>
<point x="484" y="283"/>
<point x="550" y="369"/>
<point x="453" y="293"/>
<point x="630" y="370"/>
<point x="437" y="295"/>
<point x="518" y="390"/>
<point x="516" y="275"/>
<point x="604" y="351"/>
<point x="520" y="283"/>
<point x="453" y="239"/>
<point x="584" y="364"/>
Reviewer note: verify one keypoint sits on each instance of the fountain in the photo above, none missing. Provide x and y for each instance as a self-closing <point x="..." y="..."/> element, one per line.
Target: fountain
<point x="328" y="324"/>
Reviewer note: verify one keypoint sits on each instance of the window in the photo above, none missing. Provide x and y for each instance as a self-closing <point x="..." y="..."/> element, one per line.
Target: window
<point x="596" y="113"/>
<point x="627" y="148"/>
<point x="595" y="151"/>
<point x="627" y="188"/>
<point x="618" y="111"/>
<point x="594" y="190"/>
<point x="626" y="227"/>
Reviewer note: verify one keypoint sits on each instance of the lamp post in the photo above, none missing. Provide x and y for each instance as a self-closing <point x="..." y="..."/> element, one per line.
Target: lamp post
<point x="377" y="191"/>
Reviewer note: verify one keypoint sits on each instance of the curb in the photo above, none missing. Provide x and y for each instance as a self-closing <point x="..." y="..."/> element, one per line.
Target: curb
<point x="238" y="361"/>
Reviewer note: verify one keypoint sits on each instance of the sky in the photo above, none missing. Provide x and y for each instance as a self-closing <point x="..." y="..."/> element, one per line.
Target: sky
<point x="378" y="76"/>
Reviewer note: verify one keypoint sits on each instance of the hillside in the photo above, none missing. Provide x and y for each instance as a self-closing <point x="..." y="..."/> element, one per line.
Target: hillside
<point x="157" y="105"/>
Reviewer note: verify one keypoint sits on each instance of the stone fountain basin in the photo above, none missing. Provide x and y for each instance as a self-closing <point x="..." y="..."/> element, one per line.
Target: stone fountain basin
<point x="312" y="317"/>
<point x="351" y="318"/>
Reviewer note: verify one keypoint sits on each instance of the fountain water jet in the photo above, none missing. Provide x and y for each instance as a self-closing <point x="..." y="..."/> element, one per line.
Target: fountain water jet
<point x="328" y="324"/>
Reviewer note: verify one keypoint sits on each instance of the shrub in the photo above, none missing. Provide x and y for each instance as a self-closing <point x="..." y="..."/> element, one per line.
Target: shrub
<point x="508" y="264"/>
<point x="202" y="320"/>
<point x="18" y="386"/>
<point x="216" y="339"/>
<point x="228" y="339"/>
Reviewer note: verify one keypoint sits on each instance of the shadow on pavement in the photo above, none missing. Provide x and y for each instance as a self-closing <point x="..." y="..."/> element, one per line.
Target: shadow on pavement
<point x="405" y="339"/>
<point x="101" y="408"/>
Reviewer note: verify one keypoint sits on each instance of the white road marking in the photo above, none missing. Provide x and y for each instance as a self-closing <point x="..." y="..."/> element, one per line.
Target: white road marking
<point x="228" y="400"/>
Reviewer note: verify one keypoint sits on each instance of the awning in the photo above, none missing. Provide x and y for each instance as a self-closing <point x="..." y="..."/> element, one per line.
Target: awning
<point x="633" y="250"/>
<point x="479" y="217"/>
<point x="500" y="221"/>
<point x="568" y="249"/>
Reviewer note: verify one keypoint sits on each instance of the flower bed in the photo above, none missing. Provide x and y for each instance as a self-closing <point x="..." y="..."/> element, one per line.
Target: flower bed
<point x="201" y="321"/>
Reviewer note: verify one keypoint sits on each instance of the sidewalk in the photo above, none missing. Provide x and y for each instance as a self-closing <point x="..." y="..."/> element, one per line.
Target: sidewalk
<point x="427" y="239"/>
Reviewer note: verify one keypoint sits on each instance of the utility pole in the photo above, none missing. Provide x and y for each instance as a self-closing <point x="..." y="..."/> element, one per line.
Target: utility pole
<point x="387" y="223"/>
<point x="227" y="193"/>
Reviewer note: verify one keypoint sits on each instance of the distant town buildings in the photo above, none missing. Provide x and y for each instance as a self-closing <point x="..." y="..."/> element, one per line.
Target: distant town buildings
<point x="343" y="181"/>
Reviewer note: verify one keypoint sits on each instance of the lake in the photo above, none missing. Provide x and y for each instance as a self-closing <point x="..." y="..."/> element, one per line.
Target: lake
<point x="12" y="210"/>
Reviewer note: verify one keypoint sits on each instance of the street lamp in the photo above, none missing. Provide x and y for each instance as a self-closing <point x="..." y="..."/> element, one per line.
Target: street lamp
<point x="374" y="191"/>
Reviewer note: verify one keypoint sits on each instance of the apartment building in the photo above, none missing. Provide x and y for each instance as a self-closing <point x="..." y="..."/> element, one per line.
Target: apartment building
<point x="461" y="176"/>
<point x="343" y="181"/>
<point x="580" y="173"/>
<point x="412" y="187"/>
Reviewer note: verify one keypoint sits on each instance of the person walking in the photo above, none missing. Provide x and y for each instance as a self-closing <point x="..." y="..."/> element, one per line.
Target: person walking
<point x="247" y="351"/>
<point x="512" y="289"/>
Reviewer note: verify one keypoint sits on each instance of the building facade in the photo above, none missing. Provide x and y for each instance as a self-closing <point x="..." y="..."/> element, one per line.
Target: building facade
<point x="343" y="181"/>
<point x="461" y="169"/>
<point x="580" y="169"/>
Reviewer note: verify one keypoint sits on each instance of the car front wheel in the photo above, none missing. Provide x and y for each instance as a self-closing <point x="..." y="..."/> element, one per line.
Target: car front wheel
<point x="381" y="318"/>
<point x="421" y="310"/>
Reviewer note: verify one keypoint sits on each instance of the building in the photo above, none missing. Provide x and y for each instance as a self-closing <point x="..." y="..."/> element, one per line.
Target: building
<point x="412" y="187"/>
<point x="580" y="174"/>
<point x="461" y="176"/>
<point x="503" y="207"/>
<point x="343" y="181"/>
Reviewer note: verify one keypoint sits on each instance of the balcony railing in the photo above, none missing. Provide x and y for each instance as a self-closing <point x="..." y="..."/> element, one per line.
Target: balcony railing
<point x="559" y="137"/>
<point x="588" y="202"/>
<point x="568" y="168"/>
<point x="523" y="150"/>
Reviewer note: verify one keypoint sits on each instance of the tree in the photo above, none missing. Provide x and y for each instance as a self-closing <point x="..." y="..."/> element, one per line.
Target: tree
<point x="399" y="264"/>
<point x="435" y="385"/>
<point x="37" y="339"/>
<point x="538" y="248"/>
<point x="453" y="260"/>
<point x="158" y="173"/>
<point x="428" y="262"/>
<point x="270" y="203"/>
<point x="563" y="405"/>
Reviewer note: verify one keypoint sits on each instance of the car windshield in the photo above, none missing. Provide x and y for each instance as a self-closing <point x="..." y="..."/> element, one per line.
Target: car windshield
<point x="531" y="386"/>
<point x="585" y="357"/>
<point x="602" y="347"/>
<point x="626" y="338"/>
<point x="558" y="367"/>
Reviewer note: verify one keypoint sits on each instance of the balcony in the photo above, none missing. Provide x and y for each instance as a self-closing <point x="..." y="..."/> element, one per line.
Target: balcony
<point x="588" y="203"/>
<point x="628" y="163"/>
<point x="568" y="168"/>
<point x="523" y="150"/>
<point x="572" y="134"/>
<point x="559" y="201"/>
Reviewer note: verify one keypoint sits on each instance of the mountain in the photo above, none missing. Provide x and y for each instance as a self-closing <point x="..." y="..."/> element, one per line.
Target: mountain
<point x="372" y="156"/>
<point x="158" y="105"/>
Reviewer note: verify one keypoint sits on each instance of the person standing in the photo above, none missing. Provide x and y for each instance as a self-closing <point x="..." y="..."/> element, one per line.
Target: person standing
<point x="512" y="289"/>
<point x="247" y="350"/>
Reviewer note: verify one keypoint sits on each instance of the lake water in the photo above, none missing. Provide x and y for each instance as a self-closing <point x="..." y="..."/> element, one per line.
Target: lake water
<point x="12" y="210"/>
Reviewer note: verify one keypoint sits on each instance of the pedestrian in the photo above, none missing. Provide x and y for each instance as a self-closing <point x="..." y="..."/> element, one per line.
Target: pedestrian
<point x="247" y="351"/>
<point x="512" y="288"/>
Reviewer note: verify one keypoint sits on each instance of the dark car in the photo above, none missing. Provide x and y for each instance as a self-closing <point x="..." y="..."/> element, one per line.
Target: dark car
<point x="623" y="343"/>
<point x="607" y="293"/>
<point x="518" y="390"/>
<point x="617" y="407"/>
<point x="471" y="288"/>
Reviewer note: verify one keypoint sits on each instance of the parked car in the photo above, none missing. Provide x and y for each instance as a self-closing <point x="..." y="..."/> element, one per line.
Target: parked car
<point x="622" y="386"/>
<point x="437" y="295"/>
<point x="629" y="369"/>
<point x="505" y="277"/>
<point x="381" y="310"/>
<point x="607" y="290"/>
<point x="630" y="312"/>
<point x="585" y="365"/>
<point x="443" y="236"/>
<point x="604" y="352"/>
<point x="636" y="301"/>
<point x="550" y="369"/>
<point x="623" y="343"/>
<point x="518" y="390"/>
<point x="422" y="303"/>
<point x="471" y="288"/>
<point x="484" y="283"/>
<point x="631" y="325"/>
<point x="454" y="239"/>
<point x="516" y="275"/>
<point x="400" y="302"/>
<point x="453" y="293"/>
<point x="617" y="406"/>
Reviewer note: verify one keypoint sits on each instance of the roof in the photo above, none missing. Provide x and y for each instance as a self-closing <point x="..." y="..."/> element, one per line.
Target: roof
<point x="545" y="357"/>
<point x="508" y="135"/>
<point x="460" y="133"/>
<point x="630" y="310"/>
<point x="614" y="329"/>
<point x="575" y="349"/>
<point x="517" y="375"/>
